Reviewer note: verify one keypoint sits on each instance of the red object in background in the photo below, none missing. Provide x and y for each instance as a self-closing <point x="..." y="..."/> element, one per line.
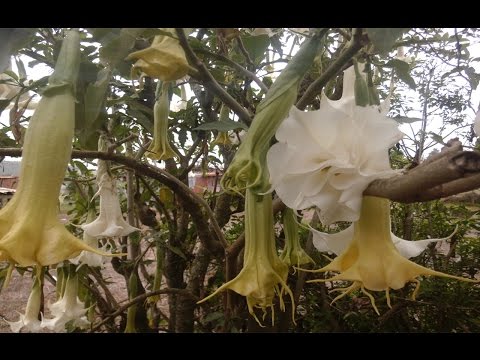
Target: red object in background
<point x="9" y="182"/>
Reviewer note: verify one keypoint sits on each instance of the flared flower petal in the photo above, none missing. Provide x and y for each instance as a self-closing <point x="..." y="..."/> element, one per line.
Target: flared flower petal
<point x="164" y="59"/>
<point x="67" y="308"/>
<point x="87" y="257"/>
<point x="263" y="275"/>
<point x="30" y="231"/>
<point x="110" y="222"/>
<point x="332" y="155"/>
<point x="371" y="261"/>
<point x="338" y="242"/>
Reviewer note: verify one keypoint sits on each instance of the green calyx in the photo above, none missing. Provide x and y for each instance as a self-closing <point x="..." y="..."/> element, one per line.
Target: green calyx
<point x="248" y="167"/>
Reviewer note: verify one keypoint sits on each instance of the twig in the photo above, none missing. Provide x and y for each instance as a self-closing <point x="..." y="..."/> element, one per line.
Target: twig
<point x="238" y="67"/>
<point x="316" y="87"/>
<point x="209" y="81"/>
<point x="142" y="297"/>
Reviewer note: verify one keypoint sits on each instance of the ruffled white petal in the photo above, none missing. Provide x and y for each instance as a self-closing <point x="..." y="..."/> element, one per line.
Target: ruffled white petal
<point x="327" y="158"/>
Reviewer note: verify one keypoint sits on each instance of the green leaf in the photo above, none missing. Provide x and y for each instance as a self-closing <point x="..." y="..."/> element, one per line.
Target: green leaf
<point x="222" y="125"/>
<point x="3" y="104"/>
<point x="384" y="38"/>
<point x="11" y="74"/>
<point x="437" y="138"/>
<point x="405" y="119"/>
<point x="11" y="40"/>
<point x="403" y="72"/>
<point x="94" y="98"/>
<point x="176" y="250"/>
<point x="117" y="48"/>
<point x="21" y="68"/>
<point x="214" y="316"/>
<point x="256" y="46"/>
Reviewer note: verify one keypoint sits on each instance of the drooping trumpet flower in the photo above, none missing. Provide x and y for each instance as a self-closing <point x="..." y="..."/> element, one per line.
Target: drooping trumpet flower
<point x="222" y="138"/>
<point x="110" y="222"/>
<point x="332" y="154"/>
<point x="30" y="321"/>
<point x="293" y="253"/>
<point x="87" y="257"/>
<point x="263" y="275"/>
<point x="30" y="231"/>
<point x="160" y="148"/>
<point x="164" y="59"/>
<point x="371" y="261"/>
<point x="67" y="308"/>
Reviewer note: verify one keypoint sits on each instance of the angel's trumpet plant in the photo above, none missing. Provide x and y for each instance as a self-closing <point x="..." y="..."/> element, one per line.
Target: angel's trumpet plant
<point x="160" y="148"/>
<point x="30" y="321"/>
<point x="248" y="167"/>
<point x="371" y="261"/>
<point x="30" y="231"/>
<point x="293" y="253"/>
<point x="110" y="222"/>
<point x="263" y="275"/>
<point x="164" y="59"/>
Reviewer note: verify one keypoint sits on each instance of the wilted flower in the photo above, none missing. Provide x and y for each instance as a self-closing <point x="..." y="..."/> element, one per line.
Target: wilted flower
<point x="67" y="308"/>
<point x="164" y="59"/>
<point x="371" y="261"/>
<point x="332" y="155"/>
<point x="263" y="275"/>
<point x="30" y="231"/>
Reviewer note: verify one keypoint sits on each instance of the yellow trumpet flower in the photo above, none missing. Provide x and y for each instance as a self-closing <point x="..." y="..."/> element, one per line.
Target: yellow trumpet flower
<point x="164" y="59"/>
<point x="371" y="261"/>
<point x="30" y="231"/>
<point x="263" y="275"/>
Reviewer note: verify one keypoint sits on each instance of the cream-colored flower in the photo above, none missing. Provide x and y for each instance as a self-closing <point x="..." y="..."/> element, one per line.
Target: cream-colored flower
<point x="87" y="257"/>
<point x="326" y="158"/>
<point x="110" y="222"/>
<point x="263" y="275"/>
<point x="371" y="260"/>
<point x="164" y="59"/>
<point x="67" y="308"/>
<point x="30" y="321"/>
<point x="30" y="231"/>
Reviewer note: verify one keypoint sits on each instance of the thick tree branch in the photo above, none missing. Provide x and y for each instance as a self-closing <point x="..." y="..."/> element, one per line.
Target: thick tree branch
<point x="204" y="76"/>
<point x="316" y="87"/>
<point x="450" y="174"/>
